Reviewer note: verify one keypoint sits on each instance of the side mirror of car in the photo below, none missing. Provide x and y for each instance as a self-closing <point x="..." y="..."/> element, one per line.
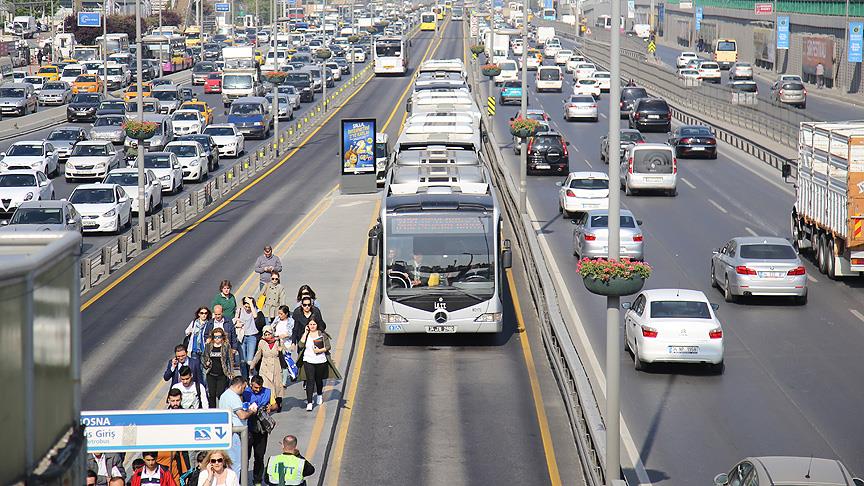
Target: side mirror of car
<point x="715" y="251"/>
<point x="721" y="479"/>
<point x="559" y="183"/>
<point x="715" y="306"/>
<point x="71" y="221"/>
<point x="626" y="305"/>
<point x="639" y="222"/>
<point x="4" y="222"/>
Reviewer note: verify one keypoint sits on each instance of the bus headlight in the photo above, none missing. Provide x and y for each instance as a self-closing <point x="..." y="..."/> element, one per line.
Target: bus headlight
<point x="391" y="318"/>
<point x="489" y="317"/>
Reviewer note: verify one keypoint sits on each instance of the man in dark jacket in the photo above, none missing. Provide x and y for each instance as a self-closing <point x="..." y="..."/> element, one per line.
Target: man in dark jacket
<point x="107" y="465"/>
<point x="181" y="359"/>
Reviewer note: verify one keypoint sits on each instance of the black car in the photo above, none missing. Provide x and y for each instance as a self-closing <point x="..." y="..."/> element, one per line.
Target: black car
<point x="651" y="113"/>
<point x="694" y="141"/>
<point x="200" y="71"/>
<point x="629" y="95"/>
<point x="209" y="145"/>
<point x="302" y="81"/>
<point x="547" y="152"/>
<point x="83" y="107"/>
<point x="111" y="107"/>
<point x="343" y="63"/>
<point x="212" y="52"/>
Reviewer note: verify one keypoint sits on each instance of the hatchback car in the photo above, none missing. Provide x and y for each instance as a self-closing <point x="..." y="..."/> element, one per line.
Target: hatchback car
<point x="92" y="159"/>
<point x="709" y="71"/>
<point x="583" y="191"/>
<point x="18" y="99"/>
<point x="790" y="93"/>
<point x="684" y="58"/>
<point x="213" y="83"/>
<point x="584" y="70"/>
<point x="587" y="86"/>
<point x="693" y="141"/>
<point x="110" y="128"/>
<point x="87" y="83"/>
<point x="759" y="266"/>
<point x="64" y="139"/>
<point x="511" y="92"/>
<point x="17" y="186"/>
<point x="45" y="215"/>
<point x="673" y="326"/>
<point x="741" y="70"/>
<point x="626" y="138"/>
<point x="547" y="152"/>
<point x="591" y="235"/>
<point x="786" y="470"/>
<point x="103" y="207"/>
<point x="650" y="167"/>
<point x="82" y="107"/>
<point x="192" y="157"/>
<point x="38" y="155"/>
<point x="55" y="93"/>
<point x="127" y="178"/>
<point x="651" y="113"/>
<point x="229" y="140"/>
<point x="167" y="168"/>
<point x="580" y="106"/>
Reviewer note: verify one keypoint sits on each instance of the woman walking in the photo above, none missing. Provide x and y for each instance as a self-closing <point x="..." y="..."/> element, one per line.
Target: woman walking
<point x="216" y="470"/>
<point x="274" y="296"/>
<point x="269" y="353"/>
<point x="303" y="314"/>
<point x="306" y="291"/>
<point x="226" y="299"/>
<point x="252" y="322"/>
<point x="217" y="365"/>
<point x="283" y="328"/>
<point x="196" y="332"/>
<point x="316" y="365"/>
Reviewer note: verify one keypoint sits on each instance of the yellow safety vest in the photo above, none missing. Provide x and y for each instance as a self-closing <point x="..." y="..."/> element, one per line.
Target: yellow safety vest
<point x="289" y="466"/>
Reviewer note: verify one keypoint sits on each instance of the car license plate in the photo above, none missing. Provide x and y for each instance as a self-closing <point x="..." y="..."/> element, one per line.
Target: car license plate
<point x="88" y="224"/>
<point x="654" y="117"/>
<point x="543" y="166"/>
<point x="697" y="148"/>
<point x="440" y="329"/>
<point x="683" y="349"/>
<point x="653" y="179"/>
<point x="770" y="274"/>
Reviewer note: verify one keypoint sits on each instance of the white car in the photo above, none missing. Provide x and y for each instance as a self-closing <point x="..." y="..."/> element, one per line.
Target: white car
<point x="584" y="70"/>
<point x="509" y="72"/>
<point x="17" y="186"/>
<point x="229" y="140"/>
<point x="35" y="154"/>
<point x="103" y="207"/>
<point x="358" y="54"/>
<point x="687" y="74"/>
<point x="127" y="178"/>
<point x="92" y="159"/>
<point x="562" y="56"/>
<point x="574" y="61"/>
<point x="187" y="122"/>
<point x="604" y="80"/>
<point x="710" y="71"/>
<point x="587" y="86"/>
<point x="580" y="106"/>
<point x="684" y="58"/>
<point x="167" y="169"/>
<point x="192" y="157"/>
<point x="551" y="48"/>
<point x="673" y="326"/>
<point x="37" y="81"/>
<point x="531" y="64"/>
<point x="582" y="191"/>
<point x="335" y="69"/>
<point x="549" y="78"/>
<point x="71" y="72"/>
<point x="518" y="47"/>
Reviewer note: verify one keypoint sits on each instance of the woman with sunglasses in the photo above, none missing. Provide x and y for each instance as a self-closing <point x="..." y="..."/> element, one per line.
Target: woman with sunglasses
<point x="306" y="291"/>
<point x="302" y="315"/>
<point x="196" y="332"/>
<point x="315" y="362"/>
<point x="217" y="365"/>
<point x="269" y="352"/>
<point x="274" y="296"/>
<point x="216" y="470"/>
<point x="252" y="321"/>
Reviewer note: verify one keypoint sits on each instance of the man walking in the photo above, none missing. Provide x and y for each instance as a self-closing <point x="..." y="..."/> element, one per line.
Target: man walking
<point x="192" y="392"/>
<point x="152" y="473"/>
<point x="820" y="76"/>
<point x="256" y="393"/>
<point x="265" y="265"/>
<point x="232" y="400"/>
<point x="290" y="465"/>
<point x="182" y="359"/>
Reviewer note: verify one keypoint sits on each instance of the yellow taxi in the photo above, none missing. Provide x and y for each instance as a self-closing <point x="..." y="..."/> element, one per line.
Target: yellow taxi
<point x="259" y="57"/>
<point x="537" y="53"/>
<point x="87" y="83"/>
<point x="132" y="91"/>
<point x="50" y="73"/>
<point x="201" y="107"/>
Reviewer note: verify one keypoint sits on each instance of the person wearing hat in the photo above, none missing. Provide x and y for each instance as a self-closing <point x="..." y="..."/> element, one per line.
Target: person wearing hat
<point x="270" y="351"/>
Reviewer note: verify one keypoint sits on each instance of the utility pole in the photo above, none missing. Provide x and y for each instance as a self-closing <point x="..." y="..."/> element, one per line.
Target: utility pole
<point x="613" y="332"/>
<point x="163" y="45"/>
<point x="353" y="52"/>
<point x="142" y="221"/>
<point x="324" y="67"/>
<point x="104" y="48"/>
<point x="523" y="110"/>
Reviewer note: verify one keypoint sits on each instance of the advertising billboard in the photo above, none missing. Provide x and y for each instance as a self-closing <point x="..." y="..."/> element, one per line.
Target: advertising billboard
<point x="358" y="146"/>
<point x="818" y="49"/>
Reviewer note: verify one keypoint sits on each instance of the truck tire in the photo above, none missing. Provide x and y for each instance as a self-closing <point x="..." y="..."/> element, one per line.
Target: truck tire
<point x="822" y="256"/>
<point x="830" y="267"/>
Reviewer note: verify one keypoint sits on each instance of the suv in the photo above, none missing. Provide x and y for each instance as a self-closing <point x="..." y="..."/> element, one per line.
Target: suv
<point x="790" y="93"/>
<point x="629" y="95"/>
<point x="651" y="113"/>
<point x="17" y="99"/>
<point x="547" y="151"/>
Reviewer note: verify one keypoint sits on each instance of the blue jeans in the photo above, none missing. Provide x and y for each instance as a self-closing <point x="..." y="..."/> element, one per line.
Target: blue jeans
<point x="234" y="453"/>
<point x="249" y="348"/>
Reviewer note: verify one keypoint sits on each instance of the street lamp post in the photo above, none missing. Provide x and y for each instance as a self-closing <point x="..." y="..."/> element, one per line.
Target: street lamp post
<point x="142" y="215"/>
<point x="104" y="48"/>
<point x="353" y="49"/>
<point x="613" y="333"/>
<point x="523" y="149"/>
<point x="162" y="47"/>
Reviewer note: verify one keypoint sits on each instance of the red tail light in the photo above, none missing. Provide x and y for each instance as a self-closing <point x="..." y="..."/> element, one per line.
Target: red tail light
<point x="564" y="147"/>
<point x="669" y="115"/>
<point x="781" y="91"/>
<point x="805" y="91"/>
<point x="637" y="237"/>
<point x="640" y="141"/>
<point x="649" y="332"/>
<point x="674" y="165"/>
<point x="711" y="141"/>
<point x="590" y="237"/>
<point x="715" y="333"/>
<point x="622" y="104"/>
<point x="742" y="270"/>
<point x="570" y="193"/>
<point x="685" y="141"/>
<point x="630" y="165"/>
<point x="593" y="106"/>
<point x="636" y="115"/>
<point x="530" y="143"/>
<point x="797" y="271"/>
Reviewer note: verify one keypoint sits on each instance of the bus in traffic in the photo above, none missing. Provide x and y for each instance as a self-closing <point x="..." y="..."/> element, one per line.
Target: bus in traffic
<point x="193" y="36"/>
<point x="118" y="42"/>
<point x="82" y="53"/>
<point x="428" y="21"/>
<point x="390" y="55"/>
<point x="725" y="52"/>
<point x="549" y="14"/>
<point x="456" y="13"/>
<point x="170" y="50"/>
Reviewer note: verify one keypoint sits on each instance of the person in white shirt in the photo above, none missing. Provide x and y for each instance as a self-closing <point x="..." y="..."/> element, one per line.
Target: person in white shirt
<point x="194" y="392"/>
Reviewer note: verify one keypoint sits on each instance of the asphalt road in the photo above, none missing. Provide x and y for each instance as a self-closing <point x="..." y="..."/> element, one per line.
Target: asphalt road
<point x="130" y="332"/>
<point x="792" y="382"/>
<point x="94" y="241"/>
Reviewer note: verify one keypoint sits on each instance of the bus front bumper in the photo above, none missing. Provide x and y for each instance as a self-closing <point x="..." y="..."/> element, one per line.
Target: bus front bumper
<point x="393" y="325"/>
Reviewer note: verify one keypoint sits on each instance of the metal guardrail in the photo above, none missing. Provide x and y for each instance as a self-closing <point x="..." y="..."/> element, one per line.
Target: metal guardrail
<point x="116" y="254"/>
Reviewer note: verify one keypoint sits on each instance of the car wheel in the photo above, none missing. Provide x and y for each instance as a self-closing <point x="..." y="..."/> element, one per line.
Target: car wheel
<point x="638" y="364"/>
<point x="823" y="254"/>
<point x="718" y="368"/>
<point x="830" y="267"/>
<point x="714" y="283"/>
<point x="129" y="221"/>
<point x="118" y="226"/>
<point x="801" y="299"/>
<point x="672" y="192"/>
<point x="566" y="214"/>
<point x="728" y="296"/>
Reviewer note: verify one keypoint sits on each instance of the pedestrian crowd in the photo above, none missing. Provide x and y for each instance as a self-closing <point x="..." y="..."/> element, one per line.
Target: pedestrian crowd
<point x="241" y="358"/>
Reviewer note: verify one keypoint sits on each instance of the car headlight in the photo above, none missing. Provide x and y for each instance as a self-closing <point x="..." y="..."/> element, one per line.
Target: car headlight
<point x="392" y="318"/>
<point x="110" y="213"/>
<point x="258" y="124"/>
<point x="29" y="196"/>
<point x="489" y="317"/>
<point x="194" y="163"/>
<point x="165" y="178"/>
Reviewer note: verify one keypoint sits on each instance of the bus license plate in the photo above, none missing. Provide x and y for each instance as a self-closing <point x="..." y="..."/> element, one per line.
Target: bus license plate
<point x="440" y="329"/>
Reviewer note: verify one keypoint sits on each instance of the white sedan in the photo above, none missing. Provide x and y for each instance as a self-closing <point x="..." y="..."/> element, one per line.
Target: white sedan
<point x="36" y="155"/>
<point x="562" y="56"/>
<point x="127" y="178"/>
<point x="604" y="79"/>
<point x="167" y="168"/>
<point x="192" y="158"/>
<point x="187" y="122"/>
<point x="229" y="140"/>
<point x="92" y="159"/>
<point x="17" y="186"/>
<point x="584" y="70"/>
<point x="684" y="58"/>
<point x="587" y="86"/>
<point x="103" y="207"/>
<point x="574" y="61"/>
<point x="582" y="191"/>
<point x="673" y="326"/>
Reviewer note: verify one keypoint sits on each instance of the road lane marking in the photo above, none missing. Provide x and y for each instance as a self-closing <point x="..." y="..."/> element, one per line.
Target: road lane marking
<point x="536" y="393"/>
<point x="718" y="206"/>
<point x="589" y="163"/>
<point x="690" y="184"/>
<point x="811" y="278"/>
<point x="747" y="229"/>
<point x="603" y="115"/>
<point x="857" y="314"/>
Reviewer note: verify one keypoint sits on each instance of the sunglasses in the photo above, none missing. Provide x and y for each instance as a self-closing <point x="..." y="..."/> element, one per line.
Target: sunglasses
<point x="218" y="336"/>
<point x="275" y="279"/>
<point x="217" y="461"/>
<point x="202" y="313"/>
<point x="305" y="305"/>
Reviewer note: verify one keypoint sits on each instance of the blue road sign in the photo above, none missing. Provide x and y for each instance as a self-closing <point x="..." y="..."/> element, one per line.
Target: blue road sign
<point x="782" y="32"/>
<point x="856" y="41"/>
<point x="223" y="7"/>
<point x="158" y="430"/>
<point x="89" y="19"/>
<point x="661" y="13"/>
<point x="698" y="19"/>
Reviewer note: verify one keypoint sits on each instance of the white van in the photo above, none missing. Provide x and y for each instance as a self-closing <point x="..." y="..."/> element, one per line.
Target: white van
<point x="509" y="72"/>
<point x="650" y="167"/>
<point x="549" y="78"/>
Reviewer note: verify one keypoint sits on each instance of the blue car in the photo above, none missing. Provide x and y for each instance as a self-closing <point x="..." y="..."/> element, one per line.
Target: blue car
<point x="511" y="92"/>
<point x="252" y="116"/>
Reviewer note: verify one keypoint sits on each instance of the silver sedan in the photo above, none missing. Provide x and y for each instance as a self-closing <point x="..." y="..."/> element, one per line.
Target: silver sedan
<point x="580" y="106"/>
<point x="756" y="265"/>
<point x="110" y="128"/>
<point x="591" y="235"/>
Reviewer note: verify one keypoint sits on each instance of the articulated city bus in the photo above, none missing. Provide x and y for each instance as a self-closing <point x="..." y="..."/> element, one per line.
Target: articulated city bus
<point x="391" y="55"/>
<point x="428" y="21"/>
<point x="171" y="50"/>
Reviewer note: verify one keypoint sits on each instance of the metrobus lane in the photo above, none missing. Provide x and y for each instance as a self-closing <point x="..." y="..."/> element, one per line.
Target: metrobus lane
<point x="790" y="376"/>
<point x="148" y="306"/>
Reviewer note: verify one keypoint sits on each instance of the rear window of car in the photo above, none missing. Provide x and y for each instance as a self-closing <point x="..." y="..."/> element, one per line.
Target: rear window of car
<point x="550" y="74"/>
<point x="633" y="93"/>
<point x="793" y="86"/>
<point x="589" y="184"/>
<point x="652" y="161"/>
<point x="654" y="105"/>
<point x="746" y="87"/>
<point x="513" y="84"/>
<point x="547" y="141"/>
<point x="678" y="309"/>
<point x="709" y="65"/>
<point x="603" y="221"/>
<point x="767" y="252"/>
<point x="696" y="132"/>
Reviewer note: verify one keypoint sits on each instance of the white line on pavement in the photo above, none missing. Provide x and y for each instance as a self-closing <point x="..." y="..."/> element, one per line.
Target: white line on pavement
<point x="603" y="115"/>
<point x="747" y="229"/>
<point x="685" y="181"/>
<point x="811" y="278"/>
<point x="589" y="163"/>
<point x="857" y="314"/>
<point x="718" y="206"/>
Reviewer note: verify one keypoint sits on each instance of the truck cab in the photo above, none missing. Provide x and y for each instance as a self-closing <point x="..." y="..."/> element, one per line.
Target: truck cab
<point x="252" y="115"/>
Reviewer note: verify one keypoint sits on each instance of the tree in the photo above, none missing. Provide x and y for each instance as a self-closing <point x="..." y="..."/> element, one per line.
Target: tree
<point x="169" y="17"/>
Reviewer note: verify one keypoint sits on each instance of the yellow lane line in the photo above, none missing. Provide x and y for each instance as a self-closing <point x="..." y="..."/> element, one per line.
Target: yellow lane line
<point x="545" y="434"/>
<point x="218" y="208"/>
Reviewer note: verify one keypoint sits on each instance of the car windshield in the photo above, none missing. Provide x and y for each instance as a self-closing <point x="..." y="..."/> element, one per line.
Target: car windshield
<point x="109" y="121"/>
<point x="86" y="98"/>
<point x="165" y="95"/>
<point x="236" y="81"/>
<point x="186" y="116"/>
<point x="204" y="67"/>
<point x="652" y="161"/>
<point x="72" y="72"/>
<point x="766" y="251"/>
<point x="215" y="76"/>
<point x="127" y="179"/>
<point x="633" y="93"/>
<point x="11" y="92"/>
<point x="37" y="216"/>
<point x="85" y="79"/>
<point x="34" y="80"/>
<point x="181" y="150"/>
<point x="589" y="184"/>
<point x="679" y="309"/>
<point x="89" y="150"/>
<point x="17" y="180"/>
<point x="217" y="131"/>
<point x="288" y="90"/>
<point x="246" y="109"/>
<point x="92" y="196"/>
<point x="24" y="150"/>
<point x="63" y="135"/>
<point x="54" y="85"/>
<point x="602" y="221"/>
<point x="115" y="71"/>
<point x="157" y="161"/>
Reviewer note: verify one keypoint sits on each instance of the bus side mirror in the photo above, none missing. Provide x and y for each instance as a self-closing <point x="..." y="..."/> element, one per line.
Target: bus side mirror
<point x="506" y="255"/>
<point x="372" y="242"/>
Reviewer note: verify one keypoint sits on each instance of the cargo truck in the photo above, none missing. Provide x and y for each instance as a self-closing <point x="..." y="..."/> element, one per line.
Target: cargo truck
<point x="240" y="74"/>
<point x="544" y="34"/>
<point x="828" y="215"/>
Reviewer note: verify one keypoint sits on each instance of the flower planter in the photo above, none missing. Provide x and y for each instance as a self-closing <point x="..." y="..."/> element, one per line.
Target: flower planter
<point x="614" y="286"/>
<point x="491" y="72"/>
<point x="140" y="134"/>
<point x="323" y="53"/>
<point x="276" y="78"/>
<point x="521" y="132"/>
<point x="477" y="49"/>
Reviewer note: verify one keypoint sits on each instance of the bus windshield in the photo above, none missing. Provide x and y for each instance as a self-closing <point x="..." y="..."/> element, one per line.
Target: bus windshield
<point x="726" y="46"/>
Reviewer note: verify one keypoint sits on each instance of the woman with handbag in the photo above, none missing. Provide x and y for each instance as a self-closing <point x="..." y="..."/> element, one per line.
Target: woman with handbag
<point x="196" y="333"/>
<point x="274" y="296"/>
<point x="270" y="354"/>
<point x="216" y="362"/>
<point x="252" y="322"/>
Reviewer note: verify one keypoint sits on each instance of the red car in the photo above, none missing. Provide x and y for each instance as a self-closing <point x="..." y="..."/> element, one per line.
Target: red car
<point x="213" y="83"/>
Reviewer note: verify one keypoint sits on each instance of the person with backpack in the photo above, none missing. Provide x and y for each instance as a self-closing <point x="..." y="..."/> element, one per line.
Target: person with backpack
<point x="194" y="394"/>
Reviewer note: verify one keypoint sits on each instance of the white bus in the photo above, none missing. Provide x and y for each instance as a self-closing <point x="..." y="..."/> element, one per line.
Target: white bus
<point x="116" y="42"/>
<point x="391" y="55"/>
